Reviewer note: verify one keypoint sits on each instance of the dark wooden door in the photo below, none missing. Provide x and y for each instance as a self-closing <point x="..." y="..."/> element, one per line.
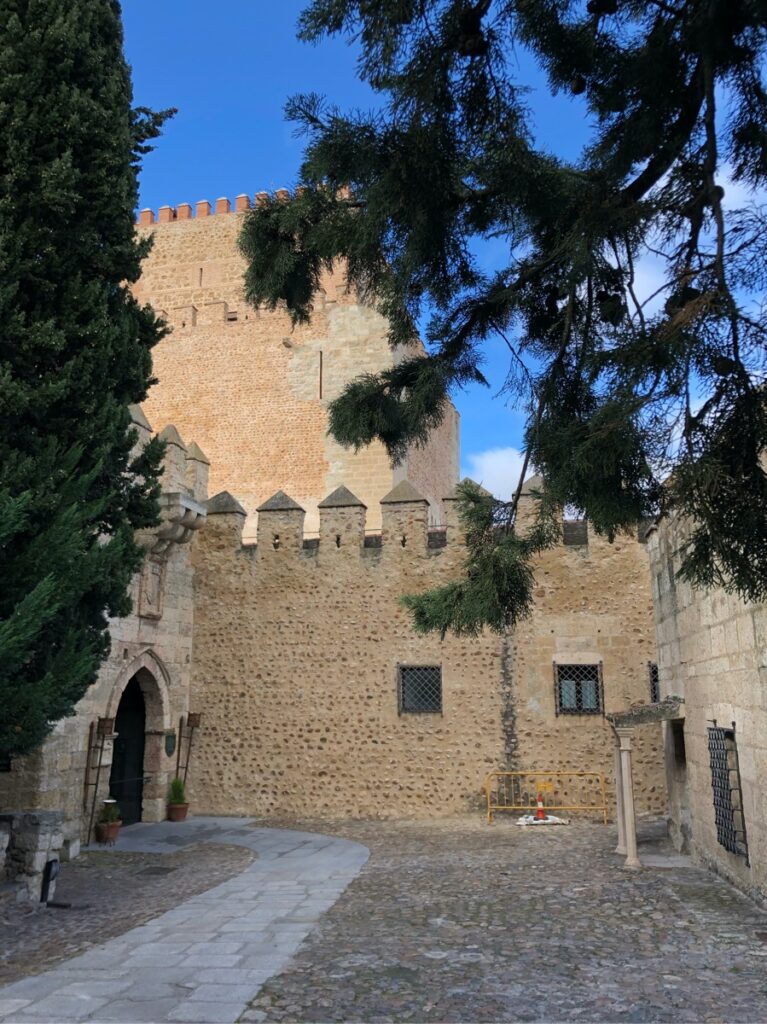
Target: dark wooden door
<point x="126" y="781"/>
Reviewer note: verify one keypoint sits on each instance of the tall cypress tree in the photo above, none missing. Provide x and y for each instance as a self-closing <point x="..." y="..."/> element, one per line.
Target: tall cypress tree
<point x="633" y="406"/>
<point x="74" y="352"/>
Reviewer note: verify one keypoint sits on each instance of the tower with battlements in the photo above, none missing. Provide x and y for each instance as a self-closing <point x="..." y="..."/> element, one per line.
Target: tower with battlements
<point x="252" y="390"/>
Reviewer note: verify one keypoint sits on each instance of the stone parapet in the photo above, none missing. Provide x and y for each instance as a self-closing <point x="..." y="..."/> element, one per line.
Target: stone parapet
<point x="306" y="664"/>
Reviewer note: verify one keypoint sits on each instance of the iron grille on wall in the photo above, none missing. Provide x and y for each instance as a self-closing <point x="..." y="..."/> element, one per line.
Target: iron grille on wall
<point x="652" y="672"/>
<point x="420" y="689"/>
<point x="578" y="689"/>
<point x="728" y="795"/>
<point x="575" y="532"/>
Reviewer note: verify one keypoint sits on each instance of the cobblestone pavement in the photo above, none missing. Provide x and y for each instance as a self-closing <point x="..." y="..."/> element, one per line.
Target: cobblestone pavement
<point x="109" y="894"/>
<point x="458" y="921"/>
<point x="202" y="961"/>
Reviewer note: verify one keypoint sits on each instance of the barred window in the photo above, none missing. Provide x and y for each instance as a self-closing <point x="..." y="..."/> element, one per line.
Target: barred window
<point x="420" y="689"/>
<point x="575" y="532"/>
<point x="654" y="678"/>
<point x="728" y="795"/>
<point x="578" y="689"/>
<point x="5" y="762"/>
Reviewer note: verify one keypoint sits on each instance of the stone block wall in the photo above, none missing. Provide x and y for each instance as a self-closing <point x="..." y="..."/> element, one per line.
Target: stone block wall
<point x="29" y="842"/>
<point x="153" y="643"/>
<point x="252" y="390"/>
<point x="712" y="651"/>
<point x="296" y="653"/>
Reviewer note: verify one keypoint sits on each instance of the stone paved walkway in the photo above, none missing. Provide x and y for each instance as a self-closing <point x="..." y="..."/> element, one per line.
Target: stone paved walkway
<point x="108" y="896"/>
<point x="448" y="921"/>
<point x="204" y="960"/>
<point x="457" y="921"/>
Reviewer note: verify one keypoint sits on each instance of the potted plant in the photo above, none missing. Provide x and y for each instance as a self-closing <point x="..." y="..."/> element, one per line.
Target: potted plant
<point x="108" y="823"/>
<point x="177" y="805"/>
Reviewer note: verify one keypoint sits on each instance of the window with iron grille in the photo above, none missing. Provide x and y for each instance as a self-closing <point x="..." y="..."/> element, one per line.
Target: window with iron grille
<point x="728" y="795"/>
<point x="575" y="532"/>
<point x="420" y="689"/>
<point x="578" y="689"/>
<point x="5" y="762"/>
<point x="652" y="672"/>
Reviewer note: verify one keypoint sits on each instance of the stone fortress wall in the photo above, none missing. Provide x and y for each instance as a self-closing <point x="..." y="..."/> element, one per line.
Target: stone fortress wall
<point x="153" y="643"/>
<point x="254" y="391"/>
<point x="297" y="648"/>
<point x="712" y="652"/>
<point x="290" y="648"/>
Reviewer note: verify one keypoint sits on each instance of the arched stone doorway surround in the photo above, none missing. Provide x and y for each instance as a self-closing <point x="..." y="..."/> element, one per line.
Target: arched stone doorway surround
<point x="154" y="680"/>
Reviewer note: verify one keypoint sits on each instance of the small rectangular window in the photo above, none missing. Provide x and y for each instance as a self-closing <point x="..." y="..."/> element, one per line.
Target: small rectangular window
<point x="728" y="795"/>
<point x="5" y="762"/>
<point x="578" y="689"/>
<point x="654" y="680"/>
<point x="575" y="532"/>
<point x="420" y="689"/>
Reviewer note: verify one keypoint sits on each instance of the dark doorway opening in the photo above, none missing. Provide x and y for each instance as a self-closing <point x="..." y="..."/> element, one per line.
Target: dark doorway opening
<point x="126" y="781"/>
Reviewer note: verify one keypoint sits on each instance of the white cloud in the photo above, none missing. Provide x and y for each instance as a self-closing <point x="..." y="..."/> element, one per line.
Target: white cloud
<point x="649" y="278"/>
<point x="496" y="469"/>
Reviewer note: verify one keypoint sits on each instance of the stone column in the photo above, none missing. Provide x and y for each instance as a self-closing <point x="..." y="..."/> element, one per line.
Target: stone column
<point x="620" y="812"/>
<point x="632" y="860"/>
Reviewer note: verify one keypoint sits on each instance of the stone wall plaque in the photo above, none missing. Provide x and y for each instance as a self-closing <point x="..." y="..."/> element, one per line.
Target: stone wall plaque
<point x="151" y="589"/>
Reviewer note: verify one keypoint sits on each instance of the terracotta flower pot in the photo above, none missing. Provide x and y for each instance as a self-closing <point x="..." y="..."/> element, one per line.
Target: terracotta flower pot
<point x="177" y="812"/>
<point x="107" y="831"/>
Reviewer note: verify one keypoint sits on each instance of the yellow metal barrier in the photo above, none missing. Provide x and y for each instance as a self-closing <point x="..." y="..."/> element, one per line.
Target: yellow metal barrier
<point x="561" y="791"/>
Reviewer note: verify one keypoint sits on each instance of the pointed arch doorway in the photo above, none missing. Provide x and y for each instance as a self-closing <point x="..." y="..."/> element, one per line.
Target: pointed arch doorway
<point x="126" y="780"/>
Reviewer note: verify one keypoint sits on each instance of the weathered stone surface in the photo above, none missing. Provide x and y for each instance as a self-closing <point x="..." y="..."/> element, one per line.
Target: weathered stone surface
<point x="161" y="970"/>
<point x="154" y="644"/>
<point x="296" y="666"/>
<point x="280" y="502"/>
<point x="341" y="497"/>
<point x="28" y="841"/>
<point x="712" y="652"/>
<point x="109" y="894"/>
<point x="253" y="390"/>
<point x="403" y="493"/>
<point x="646" y="714"/>
<point x="457" y="921"/>
<point x="224" y="504"/>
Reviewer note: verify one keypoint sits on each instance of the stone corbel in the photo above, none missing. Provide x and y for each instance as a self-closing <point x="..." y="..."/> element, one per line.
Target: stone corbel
<point x="182" y="516"/>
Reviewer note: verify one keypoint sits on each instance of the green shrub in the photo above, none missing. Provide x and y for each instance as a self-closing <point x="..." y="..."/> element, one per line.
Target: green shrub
<point x="176" y="791"/>
<point x="109" y="812"/>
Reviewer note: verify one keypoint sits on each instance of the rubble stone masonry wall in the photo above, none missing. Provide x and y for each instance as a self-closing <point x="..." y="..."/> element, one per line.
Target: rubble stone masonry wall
<point x="252" y="390"/>
<point x="712" y="650"/>
<point x="296" y="656"/>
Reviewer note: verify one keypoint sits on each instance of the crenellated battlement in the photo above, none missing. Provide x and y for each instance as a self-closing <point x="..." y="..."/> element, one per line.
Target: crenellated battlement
<point x="184" y="488"/>
<point x="405" y="531"/>
<point x="343" y="525"/>
<point x="204" y="208"/>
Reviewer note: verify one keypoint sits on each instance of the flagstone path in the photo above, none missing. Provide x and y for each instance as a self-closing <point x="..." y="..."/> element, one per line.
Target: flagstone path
<point x="204" y="960"/>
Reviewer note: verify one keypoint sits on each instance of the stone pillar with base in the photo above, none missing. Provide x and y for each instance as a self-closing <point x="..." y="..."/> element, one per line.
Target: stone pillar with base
<point x="624" y="737"/>
<point x="620" y="812"/>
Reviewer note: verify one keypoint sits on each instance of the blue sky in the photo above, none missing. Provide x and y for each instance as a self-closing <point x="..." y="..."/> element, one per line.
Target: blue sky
<point x="229" y="67"/>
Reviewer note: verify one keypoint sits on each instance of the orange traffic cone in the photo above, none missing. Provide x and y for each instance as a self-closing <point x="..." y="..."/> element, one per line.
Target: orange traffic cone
<point x="540" y="814"/>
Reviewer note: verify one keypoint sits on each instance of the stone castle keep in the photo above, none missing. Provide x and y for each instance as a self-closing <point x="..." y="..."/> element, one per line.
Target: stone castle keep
<point x="271" y="609"/>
